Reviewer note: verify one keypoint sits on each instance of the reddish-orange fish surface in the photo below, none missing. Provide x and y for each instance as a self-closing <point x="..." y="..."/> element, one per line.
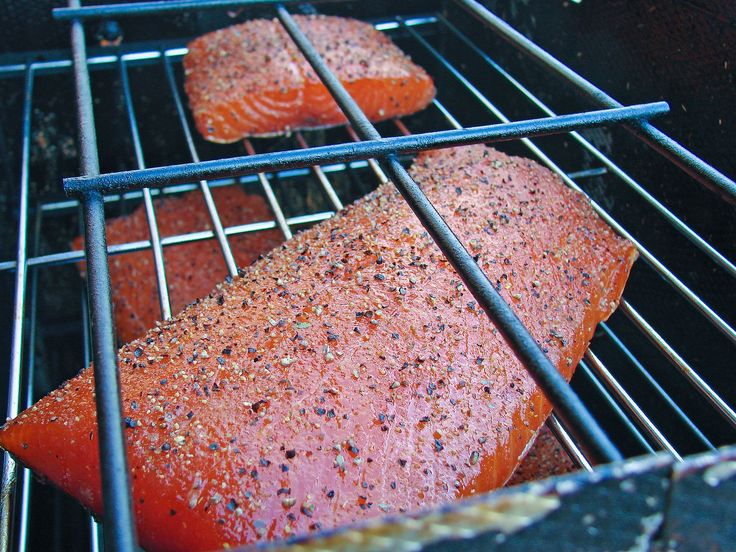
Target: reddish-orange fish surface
<point x="348" y="373"/>
<point x="251" y="79"/>
<point x="191" y="268"/>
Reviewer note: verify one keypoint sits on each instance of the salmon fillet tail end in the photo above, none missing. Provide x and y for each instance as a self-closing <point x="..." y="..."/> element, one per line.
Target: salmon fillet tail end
<point x="252" y="80"/>
<point x="349" y="373"/>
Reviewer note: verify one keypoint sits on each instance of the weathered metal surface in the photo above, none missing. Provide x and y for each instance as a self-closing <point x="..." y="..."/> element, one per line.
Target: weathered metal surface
<point x="701" y="513"/>
<point x="646" y="504"/>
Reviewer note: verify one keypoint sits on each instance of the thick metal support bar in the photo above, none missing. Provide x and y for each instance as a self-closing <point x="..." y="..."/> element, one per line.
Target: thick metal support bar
<point x="568" y="443"/>
<point x="566" y="402"/>
<point x="153" y="8"/>
<point x="119" y="526"/>
<point x="656" y="139"/>
<point x="10" y="468"/>
<point x="322" y="155"/>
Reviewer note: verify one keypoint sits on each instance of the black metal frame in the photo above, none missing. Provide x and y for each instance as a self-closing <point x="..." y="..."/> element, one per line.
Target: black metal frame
<point x="119" y="528"/>
<point x="116" y="496"/>
<point x="376" y="146"/>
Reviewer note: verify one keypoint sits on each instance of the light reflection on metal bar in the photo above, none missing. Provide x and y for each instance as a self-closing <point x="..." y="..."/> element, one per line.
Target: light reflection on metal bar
<point x="320" y="176"/>
<point x="660" y="391"/>
<point x="270" y="196"/>
<point x="583" y="367"/>
<point x="158" y="253"/>
<point x="7" y="489"/>
<point x="372" y="163"/>
<point x="683" y="367"/>
<point x="227" y="252"/>
<point x="26" y="476"/>
<point x="641" y="418"/>
<point x="567" y="442"/>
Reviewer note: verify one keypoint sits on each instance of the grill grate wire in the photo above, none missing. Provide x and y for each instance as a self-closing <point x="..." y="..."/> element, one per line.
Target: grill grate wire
<point x="644" y="430"/>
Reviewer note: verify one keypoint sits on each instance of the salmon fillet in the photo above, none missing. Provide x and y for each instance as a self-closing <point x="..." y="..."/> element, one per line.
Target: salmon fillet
<point x="546" y="458"/>
<point x="347" y="374"/>
<point x="191" y="268"/>
<point x="251" y="79"/>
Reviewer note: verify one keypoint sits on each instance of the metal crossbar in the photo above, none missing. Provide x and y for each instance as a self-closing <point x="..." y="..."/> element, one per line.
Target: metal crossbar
<point x="376" y="147"/>
<point x="653" y="261"/>
<point x="14" y="381"/>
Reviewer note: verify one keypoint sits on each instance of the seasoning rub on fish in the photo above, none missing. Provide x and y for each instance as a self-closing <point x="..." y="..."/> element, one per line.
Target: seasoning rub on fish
<point x="251" y="79"/>
<point x="349" y="373"/>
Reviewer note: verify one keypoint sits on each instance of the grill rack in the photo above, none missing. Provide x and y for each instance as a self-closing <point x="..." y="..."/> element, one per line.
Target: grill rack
<point x="91" y="186"/>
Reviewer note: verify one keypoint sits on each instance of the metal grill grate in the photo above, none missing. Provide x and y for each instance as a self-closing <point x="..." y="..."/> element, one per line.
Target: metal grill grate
<point x="603" y="378"/>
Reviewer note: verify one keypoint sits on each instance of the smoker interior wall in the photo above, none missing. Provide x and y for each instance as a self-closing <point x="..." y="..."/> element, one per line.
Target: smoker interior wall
<point x="642" y="50"/>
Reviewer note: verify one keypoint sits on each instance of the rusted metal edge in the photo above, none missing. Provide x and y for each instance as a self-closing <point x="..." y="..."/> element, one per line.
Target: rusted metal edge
<point x="644" y="504"/>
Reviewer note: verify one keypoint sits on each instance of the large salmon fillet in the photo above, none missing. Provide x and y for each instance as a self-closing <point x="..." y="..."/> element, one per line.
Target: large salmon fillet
<point x="190" y="268"/>
<point x="348" y="373"/>
<point x="251" y="79"/>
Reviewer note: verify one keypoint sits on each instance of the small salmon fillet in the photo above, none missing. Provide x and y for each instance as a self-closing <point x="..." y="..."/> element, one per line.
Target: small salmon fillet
<point x="191" y="268"/>
<point x="348" y="374"/>
<point x="251" y="79"/>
